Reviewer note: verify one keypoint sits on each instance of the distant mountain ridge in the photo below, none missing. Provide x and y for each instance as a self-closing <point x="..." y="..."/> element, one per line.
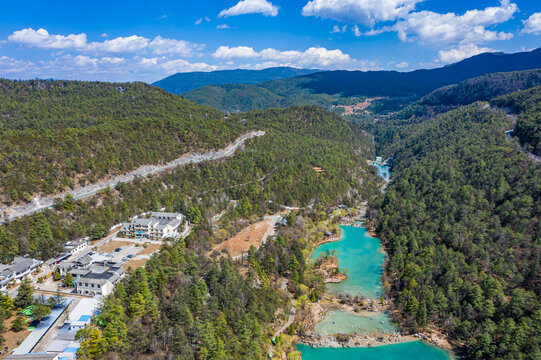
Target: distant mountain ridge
<point x="316" y="88"/>
<point x="182" y="82"/>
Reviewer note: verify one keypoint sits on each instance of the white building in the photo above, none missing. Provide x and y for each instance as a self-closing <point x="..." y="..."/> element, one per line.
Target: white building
<point x="75" y="246"/>
<point x="19" y="268"/>
<point x="160" y="225"/>
<point x="99" y="280"/>
<point x="82" y="313"/>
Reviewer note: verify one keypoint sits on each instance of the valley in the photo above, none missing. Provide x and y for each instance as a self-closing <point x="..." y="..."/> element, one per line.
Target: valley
<point x="279" y="235"/>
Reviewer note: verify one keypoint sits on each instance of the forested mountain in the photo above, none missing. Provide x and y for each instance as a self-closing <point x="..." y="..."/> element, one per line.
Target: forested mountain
<point x="527" y="104"/>
<point x="182" y="82"/>
<point x="61" y="134"/>
<point x="388" y="130"/>
<point x="273" y="170"/>
<point x="460" y="220"/>
<point x="325" y="88"/>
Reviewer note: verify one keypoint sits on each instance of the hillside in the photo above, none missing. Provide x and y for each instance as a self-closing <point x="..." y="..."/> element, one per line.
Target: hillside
<point x="62" y="134"/>
<point x="527" y="104"/>
<point x="387" y="131"/>
<point x="460" y="220"/>
<point x="275" y="169"/>
<point x="182" y="82"/>
<point x="325" y="88"/>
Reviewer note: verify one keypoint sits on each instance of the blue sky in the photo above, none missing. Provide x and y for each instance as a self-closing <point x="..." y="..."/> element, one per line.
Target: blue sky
<point x="148" y="40"/>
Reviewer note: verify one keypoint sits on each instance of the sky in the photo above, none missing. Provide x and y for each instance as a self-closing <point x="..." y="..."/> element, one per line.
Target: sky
<point x="118" y="40"/>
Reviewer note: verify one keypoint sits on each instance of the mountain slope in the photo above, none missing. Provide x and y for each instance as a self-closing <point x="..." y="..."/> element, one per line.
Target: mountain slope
<point x="460" y="220"/>
<point x="182" y="82"/>
<point x="332" y="85"/>
<point x="61" y="134"/>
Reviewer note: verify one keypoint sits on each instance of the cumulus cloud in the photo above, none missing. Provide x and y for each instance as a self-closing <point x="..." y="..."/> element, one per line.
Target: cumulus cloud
<point x="161" y="46"/>
<point x="313" y="57"/>
<point x="471" y="27"/>
<point x="42" y="39"/>
<point x="9" y="65"/>
<point x="128" y="44"/>
<point x="402" y="65"/>
<point x="532" y="25"/>
<point x="120" y="44"/>
<point x="366" y="12"/>
<point x="251" y="7"/>
<point x="461" y="52"/>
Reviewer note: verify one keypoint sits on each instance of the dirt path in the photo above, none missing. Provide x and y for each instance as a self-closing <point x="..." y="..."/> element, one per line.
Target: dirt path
<point x="41" y="203"/>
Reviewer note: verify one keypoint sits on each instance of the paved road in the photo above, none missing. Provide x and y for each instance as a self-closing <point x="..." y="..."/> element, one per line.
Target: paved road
<point x="41" y="203"/>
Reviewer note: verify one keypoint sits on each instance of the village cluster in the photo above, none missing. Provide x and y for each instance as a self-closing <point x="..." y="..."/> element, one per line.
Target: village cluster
<point x="83" y="274"/>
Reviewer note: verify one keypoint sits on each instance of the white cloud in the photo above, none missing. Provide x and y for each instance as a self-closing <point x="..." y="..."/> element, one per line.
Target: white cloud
<point x="533" y="24"/>
<point x="161" y="46"/>
<point x="104" y="35"/>
<point x="356" y="31"/>
<point x="42" y="39"/>
<point x="167" y="66"/>
<point x="318" y="57"/>
<point x="200" y="20"/>
<point x="402" y="65"/>
<point x="366" y="12"/>
<point x="251" y="7"/>
<point x="120" y="44"/>
<point x="9" y="65"/>
<point x="129" y="44"/>
<point x="461" y="52"/>
<point x="449" y="28"/>
<point x="223" y="26"/>
<point x="239" y="52"/>
<point x="338" y="29"/>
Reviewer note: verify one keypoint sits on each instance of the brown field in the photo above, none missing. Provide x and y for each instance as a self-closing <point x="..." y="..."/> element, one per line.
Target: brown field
<point x="251" y="235"/>
<point x="135" y="263"/>
<point x="13" y="339"/>
<point x="112" y="245"/>
<point x="356" y="108"/>
<point x="150" y="249"/>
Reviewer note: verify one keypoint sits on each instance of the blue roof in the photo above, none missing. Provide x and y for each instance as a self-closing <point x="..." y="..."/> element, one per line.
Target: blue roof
<point x="84" y="318"/>
<point x="71" y="349"/>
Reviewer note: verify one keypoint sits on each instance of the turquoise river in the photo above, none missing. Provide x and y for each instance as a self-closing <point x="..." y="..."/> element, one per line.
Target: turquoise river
<point x="362" y="256"/>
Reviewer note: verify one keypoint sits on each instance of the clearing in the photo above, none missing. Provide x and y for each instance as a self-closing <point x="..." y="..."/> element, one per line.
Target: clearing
<point x="255" y="234"/>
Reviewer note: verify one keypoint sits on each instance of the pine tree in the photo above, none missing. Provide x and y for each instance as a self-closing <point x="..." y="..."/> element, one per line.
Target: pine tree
<point x="25" y="295"/>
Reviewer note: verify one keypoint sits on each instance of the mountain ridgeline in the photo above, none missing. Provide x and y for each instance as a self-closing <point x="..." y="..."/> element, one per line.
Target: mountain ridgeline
<point x="328" y="87"/>
<point x="183" y="82"/>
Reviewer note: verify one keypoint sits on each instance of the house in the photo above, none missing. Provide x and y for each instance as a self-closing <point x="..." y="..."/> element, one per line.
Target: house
<point x="75" y="246"/>
<point x="80" y="316"/>
<point x="160" y="225"/>
<point x="99" y="280"/>
<point x="19" y="268"/>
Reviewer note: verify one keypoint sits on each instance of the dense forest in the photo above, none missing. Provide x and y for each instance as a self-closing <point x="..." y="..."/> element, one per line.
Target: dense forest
<point x="61" y="134"/>
<point x="182" y="306"/>
<point x="276" y="169"/>
<point x="388" y="129"/>
<point x="460" y="220"/>
<point x="527" y="104"/>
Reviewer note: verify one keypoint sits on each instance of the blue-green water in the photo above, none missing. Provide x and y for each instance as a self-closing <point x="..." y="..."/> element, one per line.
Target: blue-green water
<point x="360" y="254"/>
<point x="383" y="171"/>
<point x="413" y="350"/>
<point x="342" y="322"/>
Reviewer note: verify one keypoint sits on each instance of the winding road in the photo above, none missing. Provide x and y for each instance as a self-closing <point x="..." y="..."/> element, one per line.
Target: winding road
<point x="41" y="203"/>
